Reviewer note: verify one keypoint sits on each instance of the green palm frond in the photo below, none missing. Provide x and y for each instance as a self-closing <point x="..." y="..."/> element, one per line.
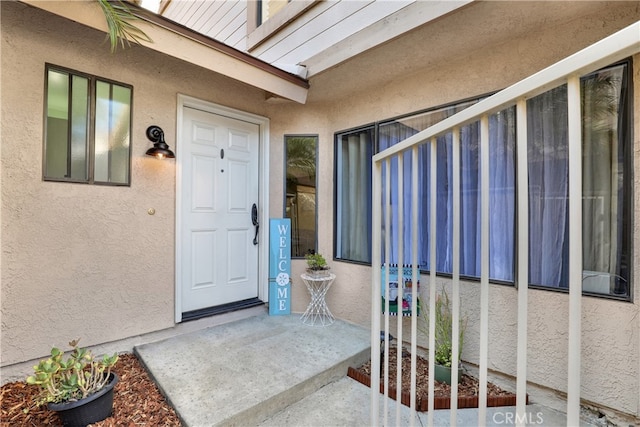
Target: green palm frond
<point x="118" y="17"/>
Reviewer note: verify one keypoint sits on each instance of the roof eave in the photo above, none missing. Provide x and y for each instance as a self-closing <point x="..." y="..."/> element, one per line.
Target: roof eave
<point x="180" y="42"/>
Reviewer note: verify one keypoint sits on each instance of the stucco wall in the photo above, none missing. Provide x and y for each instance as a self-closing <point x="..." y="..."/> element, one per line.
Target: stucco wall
<point x="86" y="260"/>
<point x="610" y="337"/>
<point x="91" y="258"/>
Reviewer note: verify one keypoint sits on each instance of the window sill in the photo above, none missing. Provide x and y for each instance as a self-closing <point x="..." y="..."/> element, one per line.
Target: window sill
<point x="562" y="290"/>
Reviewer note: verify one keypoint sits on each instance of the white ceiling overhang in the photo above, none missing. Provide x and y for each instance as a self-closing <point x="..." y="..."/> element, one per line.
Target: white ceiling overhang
<point x="390" y="27"/>
<point x="180" y="42"/>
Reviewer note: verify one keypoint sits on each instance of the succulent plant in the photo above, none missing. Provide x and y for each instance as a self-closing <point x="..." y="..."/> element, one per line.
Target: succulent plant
<point x="316" y="261"/>
<point x="73" y="378"/>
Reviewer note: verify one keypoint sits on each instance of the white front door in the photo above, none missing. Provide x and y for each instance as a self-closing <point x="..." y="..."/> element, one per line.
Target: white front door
<point x="219" y="186"/>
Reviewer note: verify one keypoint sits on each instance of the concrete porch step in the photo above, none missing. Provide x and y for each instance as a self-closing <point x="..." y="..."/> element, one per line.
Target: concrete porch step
<point x="244" y="372"/>
<point x="346" y="403"/>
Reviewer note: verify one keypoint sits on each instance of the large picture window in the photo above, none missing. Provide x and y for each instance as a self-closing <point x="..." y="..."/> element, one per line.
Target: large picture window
<point x="607" y="213"/>
<point x="87" y="129"/>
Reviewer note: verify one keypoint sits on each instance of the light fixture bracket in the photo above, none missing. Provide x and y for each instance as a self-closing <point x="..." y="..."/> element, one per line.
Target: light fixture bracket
<point x="160" y="149"/>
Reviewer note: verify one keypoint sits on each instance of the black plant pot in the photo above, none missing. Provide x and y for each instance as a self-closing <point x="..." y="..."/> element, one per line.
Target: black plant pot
<point x="89" y="410"/>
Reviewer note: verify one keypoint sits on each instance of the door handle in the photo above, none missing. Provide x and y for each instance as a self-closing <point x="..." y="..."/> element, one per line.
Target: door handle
<point x="254" y="220"/>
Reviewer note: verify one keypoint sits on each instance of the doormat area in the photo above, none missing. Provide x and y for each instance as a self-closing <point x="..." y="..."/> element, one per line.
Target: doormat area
<point x="221" y="309"/>
<point x="467" y="387"/>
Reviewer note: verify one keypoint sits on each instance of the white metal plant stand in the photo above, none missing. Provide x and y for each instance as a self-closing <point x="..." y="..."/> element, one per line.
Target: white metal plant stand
<point x="318" y="312"/>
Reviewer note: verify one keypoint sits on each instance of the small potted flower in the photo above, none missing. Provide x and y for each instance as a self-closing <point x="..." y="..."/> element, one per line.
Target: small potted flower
<point x="79" y="388"/>
<point x="316" y="265"/>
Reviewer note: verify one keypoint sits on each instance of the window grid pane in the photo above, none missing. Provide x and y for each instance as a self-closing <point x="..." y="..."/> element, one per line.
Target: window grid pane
<point x="79" y="128"/>
<point x="353" y="186"/>
<point x="120" y="134"/>
<point x="57" y="128"/>
<point x="102" y="132"/>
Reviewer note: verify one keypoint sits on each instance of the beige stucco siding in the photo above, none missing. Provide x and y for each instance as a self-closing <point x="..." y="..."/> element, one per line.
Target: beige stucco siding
<point x="80" y="260"/>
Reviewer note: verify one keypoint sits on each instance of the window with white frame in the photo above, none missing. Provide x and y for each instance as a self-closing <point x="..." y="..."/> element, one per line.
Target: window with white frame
<point x="607" y="192"/>
<point x="87" y="132"/>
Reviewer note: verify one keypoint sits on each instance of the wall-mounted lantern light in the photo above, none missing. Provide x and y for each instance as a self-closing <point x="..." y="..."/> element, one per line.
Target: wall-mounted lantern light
<point x="160" y="149"/>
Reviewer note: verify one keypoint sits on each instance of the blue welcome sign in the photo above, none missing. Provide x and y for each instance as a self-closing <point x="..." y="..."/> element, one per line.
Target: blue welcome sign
<point x="279" y="266"/>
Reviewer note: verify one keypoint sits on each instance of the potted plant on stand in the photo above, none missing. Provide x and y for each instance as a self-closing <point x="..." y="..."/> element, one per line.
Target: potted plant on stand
<point x="80" y="388"/>
<point x="444" y="339"/>
<point x="317" y="265"/>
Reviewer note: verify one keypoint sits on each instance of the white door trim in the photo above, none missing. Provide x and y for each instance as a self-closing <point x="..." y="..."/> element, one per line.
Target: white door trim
<point x="263" y="189"/>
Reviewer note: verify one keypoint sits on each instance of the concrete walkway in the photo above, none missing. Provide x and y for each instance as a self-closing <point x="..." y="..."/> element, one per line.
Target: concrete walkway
<point x="276" y="371"/>
<point x="244" y="372"/>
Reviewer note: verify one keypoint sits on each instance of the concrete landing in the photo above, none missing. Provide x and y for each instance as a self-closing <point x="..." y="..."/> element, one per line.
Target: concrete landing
<point x="244" y="372"/>
<point x="277" y="372"/>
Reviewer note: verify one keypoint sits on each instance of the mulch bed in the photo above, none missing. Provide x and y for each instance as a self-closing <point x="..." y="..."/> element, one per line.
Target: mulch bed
<point x="467" y="386"/>
<point x="136" y="402"/>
